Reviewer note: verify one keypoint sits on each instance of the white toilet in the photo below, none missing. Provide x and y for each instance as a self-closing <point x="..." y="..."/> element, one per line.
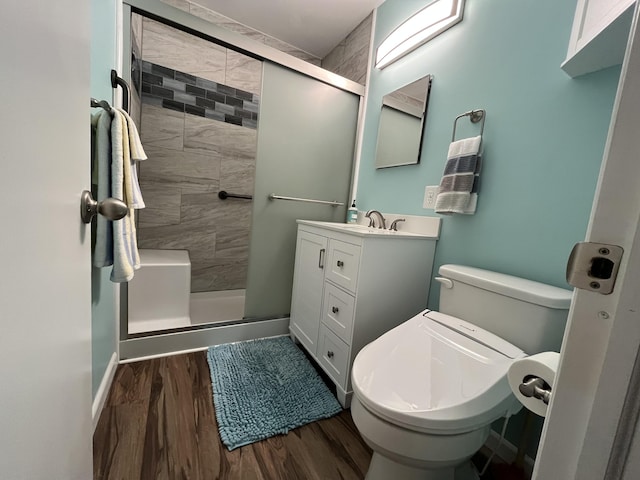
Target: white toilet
<point x="426" y="392"/>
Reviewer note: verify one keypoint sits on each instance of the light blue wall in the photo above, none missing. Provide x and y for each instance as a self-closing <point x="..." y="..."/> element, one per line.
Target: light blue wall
<point x="543" y="144"/>
<point x="103" y="311"/>
<point x="544" y="134"/>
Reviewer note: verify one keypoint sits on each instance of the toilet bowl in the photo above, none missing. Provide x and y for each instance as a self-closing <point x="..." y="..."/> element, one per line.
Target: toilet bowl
<point x="426" y="392"/>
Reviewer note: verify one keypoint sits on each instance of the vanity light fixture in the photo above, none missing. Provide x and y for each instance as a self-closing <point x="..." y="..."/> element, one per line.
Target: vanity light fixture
<point x="432" y="20"/>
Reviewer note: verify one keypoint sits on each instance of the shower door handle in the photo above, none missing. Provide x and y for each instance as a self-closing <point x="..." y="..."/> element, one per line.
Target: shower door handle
<point x="321" y="258"/>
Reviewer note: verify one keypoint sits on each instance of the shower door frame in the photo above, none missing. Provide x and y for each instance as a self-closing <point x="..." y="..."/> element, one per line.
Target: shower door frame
<point x="136" y="346"/>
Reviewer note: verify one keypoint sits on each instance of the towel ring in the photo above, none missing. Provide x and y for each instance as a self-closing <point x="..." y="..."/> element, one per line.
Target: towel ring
<point x="475" y="116"/>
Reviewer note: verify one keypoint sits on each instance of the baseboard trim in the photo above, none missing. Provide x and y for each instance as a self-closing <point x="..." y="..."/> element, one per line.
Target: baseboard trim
<point x="160" y="355"/>
<point x="508" y="452"/>
<point x="189" y="341"/>
<point x="103" y="389"/>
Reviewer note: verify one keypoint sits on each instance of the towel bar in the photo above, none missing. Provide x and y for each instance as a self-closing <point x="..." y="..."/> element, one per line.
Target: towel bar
<point x="126" y="91"/>
<point x="475" y="116"/>
<point x="223" y="195"/>
<point x="273" y="196"/>
<point x="100" y="104"/>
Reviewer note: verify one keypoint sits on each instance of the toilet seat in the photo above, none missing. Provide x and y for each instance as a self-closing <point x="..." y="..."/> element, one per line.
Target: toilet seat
<point x="437" y="374"/>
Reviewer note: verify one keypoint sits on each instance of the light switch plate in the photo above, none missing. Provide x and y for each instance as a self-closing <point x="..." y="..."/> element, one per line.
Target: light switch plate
<point x="430" y="194"/>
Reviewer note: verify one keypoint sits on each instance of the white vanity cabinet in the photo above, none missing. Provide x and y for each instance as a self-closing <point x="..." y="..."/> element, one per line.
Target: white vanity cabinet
<point x="599" y="35"/>
<point x="350" y="287"/>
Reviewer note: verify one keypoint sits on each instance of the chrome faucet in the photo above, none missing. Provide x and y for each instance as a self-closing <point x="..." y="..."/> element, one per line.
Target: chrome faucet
<point x="372" y="222"/>
<point x="394" y="224"/>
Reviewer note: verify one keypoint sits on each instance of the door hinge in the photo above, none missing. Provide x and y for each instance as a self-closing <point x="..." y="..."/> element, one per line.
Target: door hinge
<point x="594" y="266"/>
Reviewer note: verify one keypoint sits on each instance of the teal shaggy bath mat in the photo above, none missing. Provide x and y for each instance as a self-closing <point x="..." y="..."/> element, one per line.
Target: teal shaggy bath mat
<point x="263" y="388"/>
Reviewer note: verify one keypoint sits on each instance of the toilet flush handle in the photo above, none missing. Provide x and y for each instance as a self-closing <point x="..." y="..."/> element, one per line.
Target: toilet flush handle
<point x="446" y="283"/>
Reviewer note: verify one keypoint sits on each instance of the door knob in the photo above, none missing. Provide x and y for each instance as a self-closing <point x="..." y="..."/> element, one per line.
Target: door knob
<point x="111" y="208"/>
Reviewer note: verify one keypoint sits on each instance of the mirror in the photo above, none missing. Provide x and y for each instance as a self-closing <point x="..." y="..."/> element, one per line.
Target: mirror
<point x="401" y="127"/>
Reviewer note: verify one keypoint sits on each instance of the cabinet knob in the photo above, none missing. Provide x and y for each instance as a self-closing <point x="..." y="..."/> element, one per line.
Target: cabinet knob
<point x="329" y="354"/>
<point x="340" y="263"/>
<point x="335" y="309"/>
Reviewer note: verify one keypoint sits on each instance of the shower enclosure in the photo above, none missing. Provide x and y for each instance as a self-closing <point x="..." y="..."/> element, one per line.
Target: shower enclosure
<point x="226" y="126"/>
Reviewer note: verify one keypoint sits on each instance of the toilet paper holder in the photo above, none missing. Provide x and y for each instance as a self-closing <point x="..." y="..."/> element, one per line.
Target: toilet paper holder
<point x="536" y="387"/>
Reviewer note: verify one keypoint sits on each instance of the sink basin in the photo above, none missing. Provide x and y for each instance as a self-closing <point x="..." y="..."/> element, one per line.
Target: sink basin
<point x="363" y="230"/>
<point x="356" y="226"/>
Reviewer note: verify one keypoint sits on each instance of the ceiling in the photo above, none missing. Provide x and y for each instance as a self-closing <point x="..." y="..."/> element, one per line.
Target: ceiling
<point x="315" y="26"/>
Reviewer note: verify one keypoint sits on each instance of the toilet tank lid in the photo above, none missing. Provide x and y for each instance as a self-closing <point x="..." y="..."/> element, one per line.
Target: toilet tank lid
<point x="510" y="286"/>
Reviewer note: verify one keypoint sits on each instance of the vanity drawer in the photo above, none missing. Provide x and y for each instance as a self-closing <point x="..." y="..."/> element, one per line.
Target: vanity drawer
<point x="343" y="263"/>
<point x="337" y="311"/>
<point x="333" y="355"/>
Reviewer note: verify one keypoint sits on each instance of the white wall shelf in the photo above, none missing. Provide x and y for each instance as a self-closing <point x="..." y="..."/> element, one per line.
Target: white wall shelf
<point x="599" y="35"/>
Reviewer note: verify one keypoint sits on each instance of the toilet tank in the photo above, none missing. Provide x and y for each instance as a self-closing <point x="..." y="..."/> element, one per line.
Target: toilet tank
<point x="528" y="314"/>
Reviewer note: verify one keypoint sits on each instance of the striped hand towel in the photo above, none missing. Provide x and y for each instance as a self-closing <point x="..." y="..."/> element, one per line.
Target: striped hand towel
<point x="458" y="186"/>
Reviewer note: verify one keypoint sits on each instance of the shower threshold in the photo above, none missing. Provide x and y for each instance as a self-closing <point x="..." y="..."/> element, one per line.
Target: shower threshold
<point x="216" y="307"/>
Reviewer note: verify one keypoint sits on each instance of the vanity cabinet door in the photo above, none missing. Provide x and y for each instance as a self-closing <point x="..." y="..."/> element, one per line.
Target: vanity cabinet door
<point x="308" y="280"/>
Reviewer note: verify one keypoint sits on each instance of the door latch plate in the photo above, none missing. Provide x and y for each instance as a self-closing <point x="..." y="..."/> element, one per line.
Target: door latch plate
<point x="594" y="266"/>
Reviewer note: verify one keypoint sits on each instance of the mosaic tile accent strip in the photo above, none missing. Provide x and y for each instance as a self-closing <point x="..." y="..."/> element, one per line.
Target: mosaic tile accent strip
<point x="174" y="90"/>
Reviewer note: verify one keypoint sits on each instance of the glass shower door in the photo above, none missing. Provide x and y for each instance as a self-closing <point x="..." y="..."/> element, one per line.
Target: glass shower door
<point x="306" y="143"/>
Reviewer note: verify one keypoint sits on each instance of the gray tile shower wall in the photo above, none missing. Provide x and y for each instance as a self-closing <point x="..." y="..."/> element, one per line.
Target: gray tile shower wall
<point x="351" y="56"/>
<point x="168" y="88"/>
<point x="190" y="160"/>
<point x="225" y="22"/>
<point x="136" y="64"/>
<point x="200" y="108"/>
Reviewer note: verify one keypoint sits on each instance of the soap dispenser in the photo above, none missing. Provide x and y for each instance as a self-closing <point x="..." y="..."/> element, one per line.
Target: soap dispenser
<point x="352" y="213"/>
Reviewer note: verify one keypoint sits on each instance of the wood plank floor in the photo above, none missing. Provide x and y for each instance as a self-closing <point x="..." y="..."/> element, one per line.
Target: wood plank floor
<point x="159" y="423"/>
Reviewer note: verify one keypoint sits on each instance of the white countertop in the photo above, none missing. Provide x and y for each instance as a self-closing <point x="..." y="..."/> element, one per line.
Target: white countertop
<point x="365" y="231"/>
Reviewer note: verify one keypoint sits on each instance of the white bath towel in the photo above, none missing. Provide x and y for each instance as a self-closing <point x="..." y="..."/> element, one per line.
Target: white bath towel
<point x="135" y="145"/>
<point x="457" y="193"/>
<point x="122" y="265"/>
<point x="137" y="153"/>
<point x="126" y="258"/>
<point x="101" y="124"/>
<point x="115" y="175"/>
<point x="134" y="152"/>
<point x="465" y="146"/>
